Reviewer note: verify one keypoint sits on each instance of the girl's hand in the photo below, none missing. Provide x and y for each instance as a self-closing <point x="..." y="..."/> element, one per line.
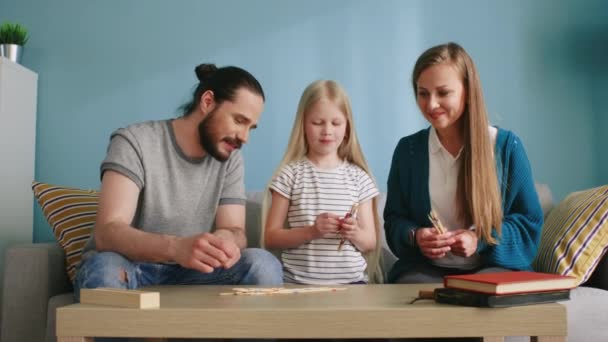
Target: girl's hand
<point x="325" y="223"/>
<point x="349" y="228"/>
<point x="432" y="244"/>
<point x="465" y="243"/>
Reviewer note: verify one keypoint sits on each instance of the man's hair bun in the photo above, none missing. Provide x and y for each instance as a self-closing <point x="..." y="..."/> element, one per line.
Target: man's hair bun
<point x="205" y="71"/>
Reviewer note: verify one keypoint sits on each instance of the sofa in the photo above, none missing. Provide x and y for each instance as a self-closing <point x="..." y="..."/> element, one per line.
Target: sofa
<point x="36" y="284"/>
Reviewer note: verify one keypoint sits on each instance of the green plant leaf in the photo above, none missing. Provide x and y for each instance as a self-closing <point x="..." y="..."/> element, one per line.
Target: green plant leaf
<point x="13" y="34"/>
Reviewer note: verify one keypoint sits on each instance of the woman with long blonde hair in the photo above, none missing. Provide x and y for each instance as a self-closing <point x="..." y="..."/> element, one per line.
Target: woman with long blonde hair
<point x="461" y="196"/>
<point x="324" y="191"/>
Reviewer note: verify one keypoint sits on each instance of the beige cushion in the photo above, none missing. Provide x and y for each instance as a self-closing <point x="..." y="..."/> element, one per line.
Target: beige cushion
<point x="71" y="213"/>
<point x="575" y="235"/>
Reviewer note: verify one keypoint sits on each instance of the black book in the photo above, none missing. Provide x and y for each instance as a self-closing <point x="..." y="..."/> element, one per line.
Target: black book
<point x="469" y="298"/>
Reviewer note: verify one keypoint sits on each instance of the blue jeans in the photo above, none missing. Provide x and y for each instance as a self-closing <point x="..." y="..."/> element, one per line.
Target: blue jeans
<point x="109" y="269"/>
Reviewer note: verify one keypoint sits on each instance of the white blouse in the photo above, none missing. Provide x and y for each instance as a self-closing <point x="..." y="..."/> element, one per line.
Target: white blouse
<point x="443" y="181"/>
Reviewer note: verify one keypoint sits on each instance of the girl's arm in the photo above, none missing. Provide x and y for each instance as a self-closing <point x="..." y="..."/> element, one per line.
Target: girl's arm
<point x="276" y="236"/>
<point x="361" y="231"/>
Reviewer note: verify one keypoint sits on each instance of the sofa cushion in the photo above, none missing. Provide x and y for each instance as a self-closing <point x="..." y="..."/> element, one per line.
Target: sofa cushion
<point x="586" y="315"/>
<point x="71" y="213"/>
<point x="575" y="235"/>
<point x="51" y="316"/>
<point x="253" y="218"/>
<point x="545" y="197"/>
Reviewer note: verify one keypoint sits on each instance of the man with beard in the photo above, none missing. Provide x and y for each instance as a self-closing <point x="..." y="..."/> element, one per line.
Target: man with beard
<point x="172" y="202"/>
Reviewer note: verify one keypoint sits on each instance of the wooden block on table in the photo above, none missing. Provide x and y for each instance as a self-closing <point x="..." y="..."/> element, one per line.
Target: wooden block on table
<point x="121" y="297"/>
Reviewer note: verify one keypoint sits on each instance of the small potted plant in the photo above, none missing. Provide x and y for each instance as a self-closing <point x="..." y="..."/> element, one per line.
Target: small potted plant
<point x="12" y="39"/>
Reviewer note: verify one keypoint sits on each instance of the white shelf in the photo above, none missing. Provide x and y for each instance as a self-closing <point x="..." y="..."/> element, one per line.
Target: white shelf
<point x="18" y="92"/>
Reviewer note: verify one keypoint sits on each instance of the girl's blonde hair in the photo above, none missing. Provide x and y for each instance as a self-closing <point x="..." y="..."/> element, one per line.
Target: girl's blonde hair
<point x="349" y="150"/>
<point x="478" y="190"/>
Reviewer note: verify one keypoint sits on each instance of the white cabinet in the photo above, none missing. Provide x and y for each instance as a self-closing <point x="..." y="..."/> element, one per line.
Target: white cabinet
<point x="18" y="90"/>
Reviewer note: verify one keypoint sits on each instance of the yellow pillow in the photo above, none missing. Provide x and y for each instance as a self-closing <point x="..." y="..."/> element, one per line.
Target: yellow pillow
<point x="575" y="235"/>
<point x="71" y="213"/>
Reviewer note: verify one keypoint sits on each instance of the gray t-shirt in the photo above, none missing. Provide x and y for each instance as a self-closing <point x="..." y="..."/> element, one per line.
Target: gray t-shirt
<point x="179" y="195"/>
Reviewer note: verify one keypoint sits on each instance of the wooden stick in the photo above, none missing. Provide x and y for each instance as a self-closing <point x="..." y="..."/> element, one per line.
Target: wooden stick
<point x="352" y="213"/>
<point x="278" y="290"/>
<point x="436" y="222"/>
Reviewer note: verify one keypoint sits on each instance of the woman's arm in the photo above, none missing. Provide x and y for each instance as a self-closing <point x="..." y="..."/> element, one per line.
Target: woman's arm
<point x="397" y="221"/>
<point x="523" y="215"/>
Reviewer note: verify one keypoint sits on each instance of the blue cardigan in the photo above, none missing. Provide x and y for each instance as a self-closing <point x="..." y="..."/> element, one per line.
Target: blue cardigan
<point x="408" y="204"/>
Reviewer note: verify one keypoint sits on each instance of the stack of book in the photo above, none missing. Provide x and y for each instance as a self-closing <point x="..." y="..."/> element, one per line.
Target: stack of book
<point x="503" y="289"/>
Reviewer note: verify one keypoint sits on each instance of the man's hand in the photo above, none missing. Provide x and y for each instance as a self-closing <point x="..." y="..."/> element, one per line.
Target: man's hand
<point x="325" y="223"/>
<point x="433" y="244"/>
<point x="234" y="238"/>
<point x="465" y="243"/>
<point x="205" y="252"/>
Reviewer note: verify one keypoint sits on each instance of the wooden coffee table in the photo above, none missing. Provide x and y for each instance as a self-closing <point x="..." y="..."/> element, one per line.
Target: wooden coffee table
<point x="361" y="311"/>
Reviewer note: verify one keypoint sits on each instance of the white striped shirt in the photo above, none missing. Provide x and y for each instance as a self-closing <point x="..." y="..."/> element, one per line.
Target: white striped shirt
<point x="312" y="191"/>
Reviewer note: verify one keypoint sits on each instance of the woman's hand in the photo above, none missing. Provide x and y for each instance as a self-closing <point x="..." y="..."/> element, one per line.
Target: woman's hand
<point x="465" y="243"/>
<point x="325" y="223"/>
<point x="432" y="244"/>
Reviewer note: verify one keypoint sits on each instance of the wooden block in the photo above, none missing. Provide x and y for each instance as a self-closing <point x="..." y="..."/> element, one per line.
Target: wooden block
<point x="121" y="297"/>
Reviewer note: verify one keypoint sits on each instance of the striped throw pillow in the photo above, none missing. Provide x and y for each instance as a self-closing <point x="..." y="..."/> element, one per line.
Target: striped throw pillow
<point x="71" y="213"/>
<point x="575" y="235"/>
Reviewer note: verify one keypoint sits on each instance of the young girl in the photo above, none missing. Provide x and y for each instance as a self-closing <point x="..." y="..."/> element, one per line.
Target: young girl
<point x="475" y="177"/>
<point x="322" y="177"/>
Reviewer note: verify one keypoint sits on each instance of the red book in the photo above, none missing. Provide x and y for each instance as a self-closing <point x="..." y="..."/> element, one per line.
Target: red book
<point x="509" y="282"/>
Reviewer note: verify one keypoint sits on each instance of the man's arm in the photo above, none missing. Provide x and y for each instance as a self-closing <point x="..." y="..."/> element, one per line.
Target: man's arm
<point x="230" y="224"/>
<point x="113" y="230"/>
<point x="230" y="235"/>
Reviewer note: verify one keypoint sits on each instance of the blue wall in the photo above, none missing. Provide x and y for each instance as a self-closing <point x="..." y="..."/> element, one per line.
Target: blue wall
<point x="600" y="121"/>
<point x="105" y="64"/>
<point x="596" y="46"/>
